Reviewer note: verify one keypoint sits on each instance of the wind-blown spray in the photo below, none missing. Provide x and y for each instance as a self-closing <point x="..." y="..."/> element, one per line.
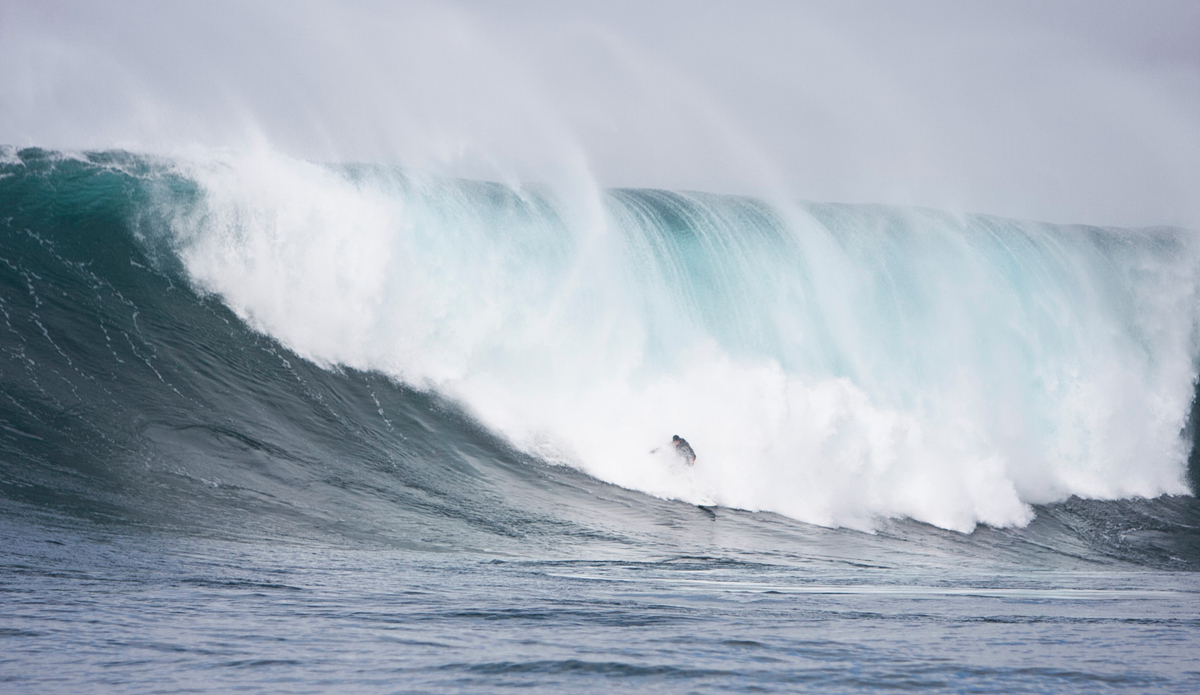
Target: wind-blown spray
<point x="836" y="364"/>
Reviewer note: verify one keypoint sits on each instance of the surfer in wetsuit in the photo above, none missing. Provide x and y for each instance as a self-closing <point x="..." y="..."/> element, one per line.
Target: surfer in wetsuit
<point x="684" y="449"/>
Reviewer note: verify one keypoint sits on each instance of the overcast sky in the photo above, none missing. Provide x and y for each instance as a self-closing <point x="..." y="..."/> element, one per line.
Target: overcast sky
<point x="1081" y="111"/>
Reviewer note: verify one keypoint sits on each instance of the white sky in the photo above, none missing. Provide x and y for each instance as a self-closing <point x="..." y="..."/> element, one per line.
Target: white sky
<point x="1080" y="111"/>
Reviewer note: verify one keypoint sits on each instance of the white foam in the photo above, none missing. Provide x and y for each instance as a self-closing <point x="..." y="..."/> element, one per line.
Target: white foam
<point x="950" y="370"/>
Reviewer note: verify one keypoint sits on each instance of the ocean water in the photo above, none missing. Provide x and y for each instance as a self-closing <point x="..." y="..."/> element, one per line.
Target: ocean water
<point x="272" y="425"/>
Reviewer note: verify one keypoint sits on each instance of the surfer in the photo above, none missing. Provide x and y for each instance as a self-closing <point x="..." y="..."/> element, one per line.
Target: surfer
<point x="684" y="449"/>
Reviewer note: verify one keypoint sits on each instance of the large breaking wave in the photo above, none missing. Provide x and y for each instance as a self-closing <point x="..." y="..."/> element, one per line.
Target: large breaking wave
<point x="836" y="364"/>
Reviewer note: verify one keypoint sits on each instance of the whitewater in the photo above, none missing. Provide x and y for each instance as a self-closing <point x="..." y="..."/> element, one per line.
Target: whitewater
<point x="836" y="364"/>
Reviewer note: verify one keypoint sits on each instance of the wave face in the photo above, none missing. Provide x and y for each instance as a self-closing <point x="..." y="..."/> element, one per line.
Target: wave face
<point x="261" y="323"/>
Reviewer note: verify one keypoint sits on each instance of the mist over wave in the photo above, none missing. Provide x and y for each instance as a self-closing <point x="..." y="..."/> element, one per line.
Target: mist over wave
<point x="836" y="364"/>
<point x="1079" y="111"/>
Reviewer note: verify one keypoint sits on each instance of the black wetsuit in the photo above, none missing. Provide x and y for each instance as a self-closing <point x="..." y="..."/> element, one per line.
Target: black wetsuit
<point x="685" y="450"/>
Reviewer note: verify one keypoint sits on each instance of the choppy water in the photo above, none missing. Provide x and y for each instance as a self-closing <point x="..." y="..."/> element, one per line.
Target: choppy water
<point x="86" y="608"/>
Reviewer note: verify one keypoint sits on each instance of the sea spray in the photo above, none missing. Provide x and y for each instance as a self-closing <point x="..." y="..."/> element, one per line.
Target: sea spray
<point x="836" y="364"/>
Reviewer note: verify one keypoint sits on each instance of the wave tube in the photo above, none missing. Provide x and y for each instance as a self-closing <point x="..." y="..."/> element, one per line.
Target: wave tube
<point x="836" y="364"/>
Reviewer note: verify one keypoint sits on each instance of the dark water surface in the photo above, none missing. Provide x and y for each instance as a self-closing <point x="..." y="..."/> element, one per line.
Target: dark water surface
<point x="88" y="608"/>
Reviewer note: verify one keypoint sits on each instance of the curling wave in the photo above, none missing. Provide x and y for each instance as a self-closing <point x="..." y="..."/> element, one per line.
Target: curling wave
<point x="836" y="364"/>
